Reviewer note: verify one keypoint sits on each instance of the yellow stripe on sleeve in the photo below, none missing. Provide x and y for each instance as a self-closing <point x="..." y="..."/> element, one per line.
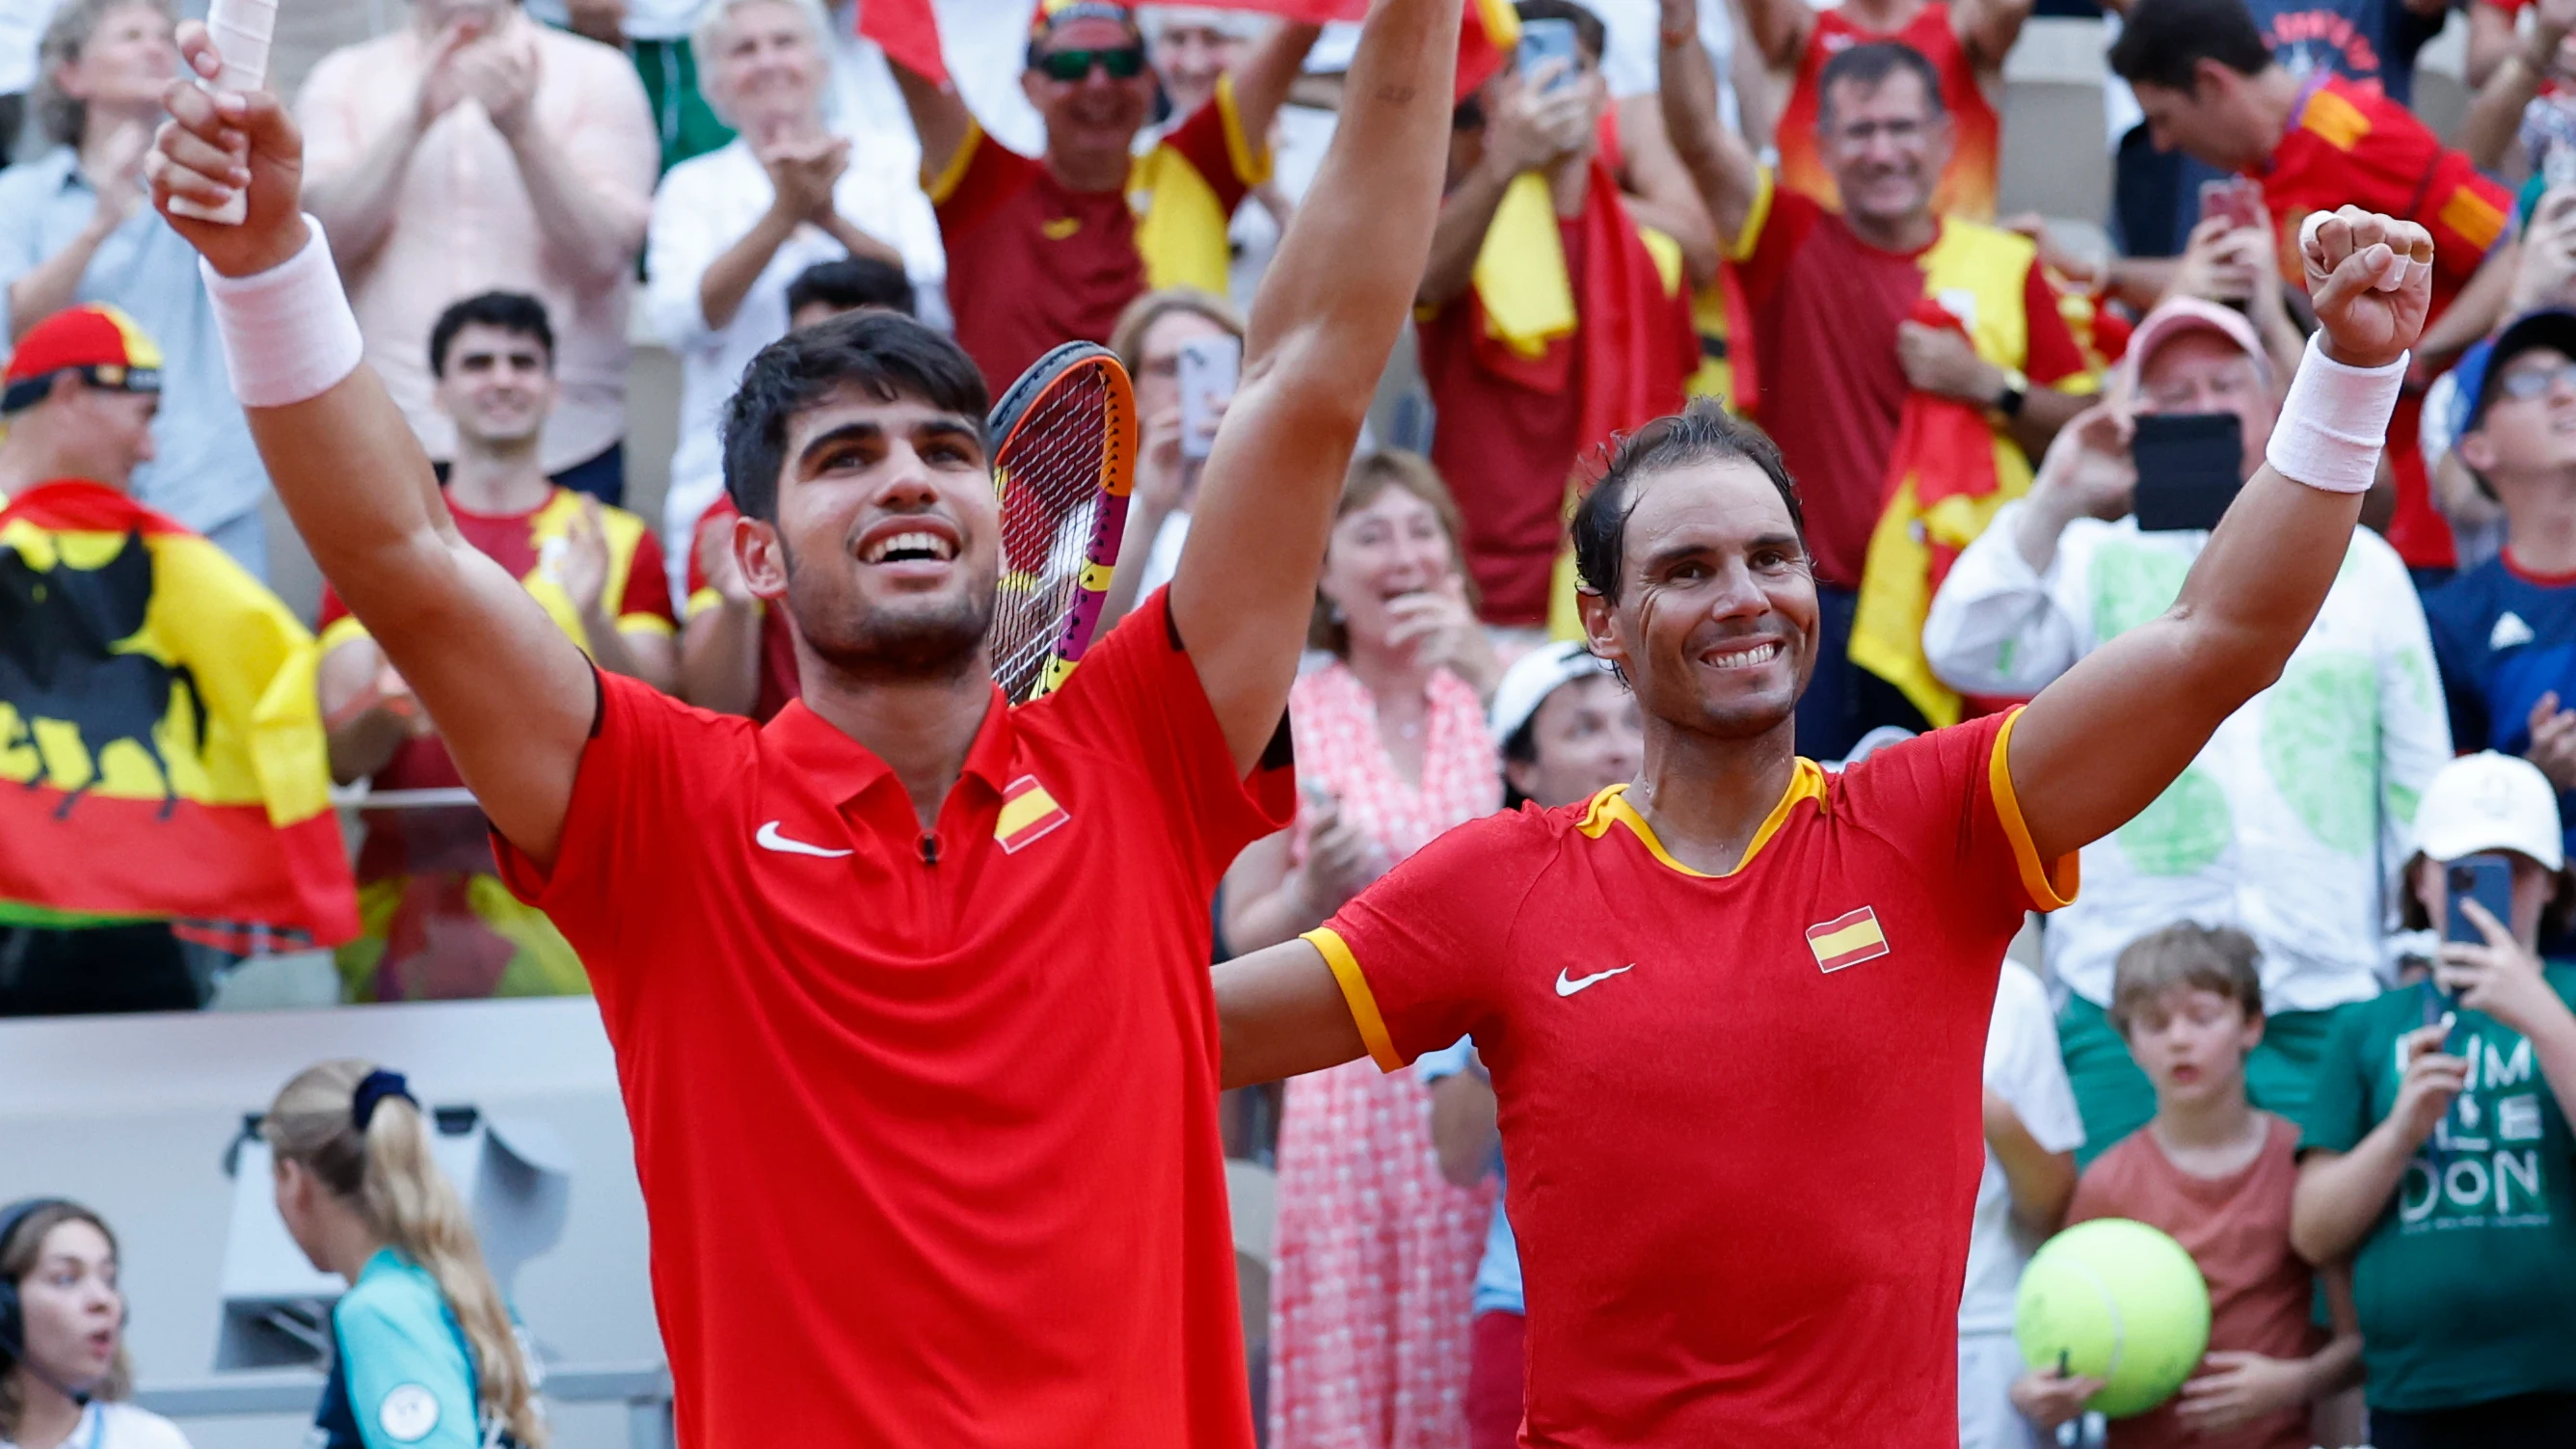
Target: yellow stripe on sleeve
<point x="953" y="175"/>
<point x="1750" y="236"/>
<point x="1355" y="991"/>
<point x="1251" y="164"/>
<point x="703" y="600"/>
<point x="640" y="623"/>
<point x="2049" y="884"/>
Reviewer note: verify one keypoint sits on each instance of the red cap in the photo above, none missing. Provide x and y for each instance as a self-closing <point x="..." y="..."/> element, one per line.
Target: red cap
<point x="96" y="339"/>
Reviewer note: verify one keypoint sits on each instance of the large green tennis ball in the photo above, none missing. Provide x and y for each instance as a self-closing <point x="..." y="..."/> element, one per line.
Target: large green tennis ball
<point x="2122" y="1303"/>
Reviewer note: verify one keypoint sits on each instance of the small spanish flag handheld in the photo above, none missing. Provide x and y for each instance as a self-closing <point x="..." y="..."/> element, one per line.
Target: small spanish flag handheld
<point x="161" y="751"/>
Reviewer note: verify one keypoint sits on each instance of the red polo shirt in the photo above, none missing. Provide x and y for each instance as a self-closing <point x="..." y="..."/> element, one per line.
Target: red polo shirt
<point x="925" y="1120"/>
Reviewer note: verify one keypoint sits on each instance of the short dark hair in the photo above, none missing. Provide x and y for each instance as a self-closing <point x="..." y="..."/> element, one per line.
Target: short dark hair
<point x="1701" y="433"/>
<point x="1589" y="33"/>
<point x="1868" y="65"/>
<point x="850" y="283"/>
<point x="516" y="313"/>
<point x="885" y="354"/>
<point x="2163" y="42"/>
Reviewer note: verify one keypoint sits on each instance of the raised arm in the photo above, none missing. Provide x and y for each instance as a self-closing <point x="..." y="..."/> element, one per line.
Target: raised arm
<point x="1337" y="295"/>
<point x="1719" y="163"/>
<point x="1988" y="28"/>
<point x="513" y="697"/>
<point x="939" y="116"/>
<point x="2103" y="741"/>
<point x="1262" y="80"/>
<point x="1779" y="28"/>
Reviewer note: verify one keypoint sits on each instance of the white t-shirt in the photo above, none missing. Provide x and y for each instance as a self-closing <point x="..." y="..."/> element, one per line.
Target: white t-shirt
<point x="120" y="1426"/>
<point x="2023" y="1066"/>
<point x="1630" y="57"/>
<point x="22" y="28"/>
<point x="705" y="205"/>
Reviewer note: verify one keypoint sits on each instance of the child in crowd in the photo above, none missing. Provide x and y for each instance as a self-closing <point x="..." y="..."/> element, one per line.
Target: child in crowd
<point x="2218" y="1175"/>
<point x="2437" y="1156"/>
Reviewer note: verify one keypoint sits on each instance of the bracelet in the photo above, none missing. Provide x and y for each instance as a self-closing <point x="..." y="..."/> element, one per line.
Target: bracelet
<point x="2335" y="422"/>
<point x="288" y="333"/>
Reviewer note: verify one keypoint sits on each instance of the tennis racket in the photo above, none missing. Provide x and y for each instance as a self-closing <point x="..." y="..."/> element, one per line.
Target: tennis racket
<point x="1066" y="460"/>
<point x="242" y="30"/>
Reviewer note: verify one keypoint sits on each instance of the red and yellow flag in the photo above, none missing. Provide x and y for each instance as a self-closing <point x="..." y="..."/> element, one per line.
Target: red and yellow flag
<point x="161" y="750"/>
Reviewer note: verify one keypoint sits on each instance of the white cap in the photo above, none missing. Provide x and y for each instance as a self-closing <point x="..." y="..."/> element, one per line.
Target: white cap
<point x="1533" y="677"/>
<point x="2489" y="801"/>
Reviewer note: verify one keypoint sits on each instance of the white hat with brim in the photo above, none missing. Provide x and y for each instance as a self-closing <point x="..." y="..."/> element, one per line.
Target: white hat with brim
<point x="2488" y="801"/>
<point x="1532" y="678"/>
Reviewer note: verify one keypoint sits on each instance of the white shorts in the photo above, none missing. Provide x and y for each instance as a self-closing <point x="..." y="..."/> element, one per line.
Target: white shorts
<point x="1988" y="1364"/>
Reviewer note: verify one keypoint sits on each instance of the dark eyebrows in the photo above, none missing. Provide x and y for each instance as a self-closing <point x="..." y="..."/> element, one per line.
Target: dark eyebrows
<point x="942" y="427"/>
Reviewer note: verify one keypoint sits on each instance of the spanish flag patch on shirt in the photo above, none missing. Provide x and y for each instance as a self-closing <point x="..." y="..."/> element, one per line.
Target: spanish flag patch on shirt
<point x="1028" y="812"/>
<point x="1847" y="940"/>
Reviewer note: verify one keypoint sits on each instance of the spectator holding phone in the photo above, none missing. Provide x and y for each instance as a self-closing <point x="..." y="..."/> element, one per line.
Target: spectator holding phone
<point x="2211" y="87"/>
<point x="1376" y="1256"/>
<point x="2230" y="260"/>
<point x="2504" y="633"/>
<point x="2436" y="1152"/>
<point x="1157" y="339"/>
<point x="2279" y="826"/>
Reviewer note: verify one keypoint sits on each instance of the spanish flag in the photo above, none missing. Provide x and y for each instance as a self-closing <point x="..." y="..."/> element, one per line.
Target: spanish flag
<point x="161" y="751"/>
<point x="1847" y="940"/>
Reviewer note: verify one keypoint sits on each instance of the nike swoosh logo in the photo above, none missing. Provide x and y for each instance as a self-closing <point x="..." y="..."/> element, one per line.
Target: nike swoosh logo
<point x="770" y="839"/>
<point x="1565" y="987"/>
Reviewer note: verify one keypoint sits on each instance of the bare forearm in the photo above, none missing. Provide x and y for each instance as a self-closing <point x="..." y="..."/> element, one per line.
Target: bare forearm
<point x="855" y="239"/>
<point x="720" y="658"/>
<point x="1779" y="29"/>
<point x="2553" y="1045"/>
<point x="1268" y="920"/>
<point x="618" y="652"/>
<point x="1719" y="162"/>
<point x="1463" y="1130"/>
<point x="2495" y="112"/>
<point x="2141" y="281"/>
<point x="1279" y="1014"/>
<point x="2044" y="410"/>
<point x="54" y="283"/>
<point x="727" y="279"/>
<point x="2335" y="1367"/>
<point x="356" y="204"/>
<point x="361" y="746"/>
<point x="939" y="118"/>
<point x="2041" y="1182"/>
<point x="2341" y="1197"/>
<point x="1262" y="81"/>
<point x="588" y="222"/>
<point x="1465" y="216"/>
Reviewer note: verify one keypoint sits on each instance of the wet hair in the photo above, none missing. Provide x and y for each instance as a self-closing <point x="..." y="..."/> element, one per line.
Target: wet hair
<point x="1868" y="65"/>
<point x="18" y="1253"/>
<point x="516" y="313"/>
<point x="2163" y="42"/>
<point x="63" y="117"/>
<point x="2183" y="957"/>
<point x="1590" y="35"/>
<point x="386" y="1172"/>
<point x="850" y="283"/>
<point x="883" y="354"/>
<point x="1371" y="475"/>
<point x="1702" y="433"/>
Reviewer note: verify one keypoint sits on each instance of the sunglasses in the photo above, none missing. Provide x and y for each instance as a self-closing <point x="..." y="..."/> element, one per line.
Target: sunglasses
<point x="2522" y="384"/>
<point x="1125" y="63"/>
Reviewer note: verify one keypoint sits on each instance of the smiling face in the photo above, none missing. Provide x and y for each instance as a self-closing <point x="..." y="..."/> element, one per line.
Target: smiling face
<point x="885" y="546"/>
<point x="74" y="1311"/>
<point x="498" y="386"/>
<point x="1885" y="145"/>
<point x="2192" y="1043"/>
<point x="1393" y="546"/>
<point x="1098" y="114"/>
<point x="125" y="63"/>
<point x="769" y="72"/>
<point x="1714" y="622"/>
<point x="1190" y="56"/>
<point x="1586" y="735"/>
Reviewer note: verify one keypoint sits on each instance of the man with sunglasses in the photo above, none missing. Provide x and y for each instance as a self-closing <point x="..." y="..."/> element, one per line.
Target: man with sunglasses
<point x="2505" y="632"/>
<point x="1051" y="248"/>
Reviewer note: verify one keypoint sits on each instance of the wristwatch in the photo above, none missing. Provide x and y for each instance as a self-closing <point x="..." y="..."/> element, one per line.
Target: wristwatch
<point x="2016" y="391"/>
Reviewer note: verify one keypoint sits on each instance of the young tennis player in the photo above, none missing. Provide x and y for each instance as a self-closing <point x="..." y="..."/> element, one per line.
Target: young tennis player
<point x="1735" y="1012"/>
<point x="908" y="988"/>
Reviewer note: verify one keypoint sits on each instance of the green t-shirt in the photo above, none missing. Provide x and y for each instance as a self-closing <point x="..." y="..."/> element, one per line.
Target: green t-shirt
<point x="2466" y="1283"/>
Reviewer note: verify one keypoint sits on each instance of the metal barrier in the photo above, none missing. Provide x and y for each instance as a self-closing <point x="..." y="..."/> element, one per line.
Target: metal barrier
<point x="645" y="1390"/>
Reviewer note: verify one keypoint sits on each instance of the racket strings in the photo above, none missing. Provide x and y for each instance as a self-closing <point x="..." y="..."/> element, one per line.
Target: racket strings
<point x="1049" y="473"/>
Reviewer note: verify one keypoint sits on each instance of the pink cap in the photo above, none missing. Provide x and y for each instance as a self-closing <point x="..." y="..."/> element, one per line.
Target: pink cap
<point x="2178" y="315"/>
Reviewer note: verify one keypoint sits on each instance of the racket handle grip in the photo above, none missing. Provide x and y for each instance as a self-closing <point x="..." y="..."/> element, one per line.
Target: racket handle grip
<point x="243" y="31"/>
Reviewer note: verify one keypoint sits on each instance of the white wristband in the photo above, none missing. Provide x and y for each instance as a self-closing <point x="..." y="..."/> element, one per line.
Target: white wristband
<point x="2334" y="422"/>
<point x="288" y="332"/>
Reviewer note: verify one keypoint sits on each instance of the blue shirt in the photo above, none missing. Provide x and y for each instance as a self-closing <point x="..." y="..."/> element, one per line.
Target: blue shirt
<point x="2363" y="40"/>
<point x="1498" y="1273"/>
<point x="207" y="472"/>
<point x="403" y="1378"/>
<point x="2503" y="639"/>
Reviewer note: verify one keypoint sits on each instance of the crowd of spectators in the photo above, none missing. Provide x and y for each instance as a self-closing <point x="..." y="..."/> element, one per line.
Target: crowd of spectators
<point x="2257" y="1027"/>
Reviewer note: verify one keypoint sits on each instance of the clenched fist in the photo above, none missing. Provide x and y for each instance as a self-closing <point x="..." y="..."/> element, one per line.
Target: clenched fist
<point x="2371" y="278"/>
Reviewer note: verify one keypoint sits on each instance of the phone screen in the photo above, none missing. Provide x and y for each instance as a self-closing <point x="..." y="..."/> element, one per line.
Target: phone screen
<point x="2234" y="198"/>
<point x="1209" y="370"/>
<point x="2187" y="469"/>
<point x="1543" y="41"/>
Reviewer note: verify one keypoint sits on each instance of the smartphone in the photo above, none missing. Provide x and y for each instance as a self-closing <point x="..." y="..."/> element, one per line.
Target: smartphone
<point x="2238" y="199"/>
<point x="2187" y="469"/>
<point x="1543" y="41"/>
<point x="1209" y="369"/>
<point x="2486" y="878"/>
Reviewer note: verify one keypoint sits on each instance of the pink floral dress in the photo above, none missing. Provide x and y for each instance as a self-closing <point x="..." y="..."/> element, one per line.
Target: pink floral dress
<point x="1376" y="1253"/>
